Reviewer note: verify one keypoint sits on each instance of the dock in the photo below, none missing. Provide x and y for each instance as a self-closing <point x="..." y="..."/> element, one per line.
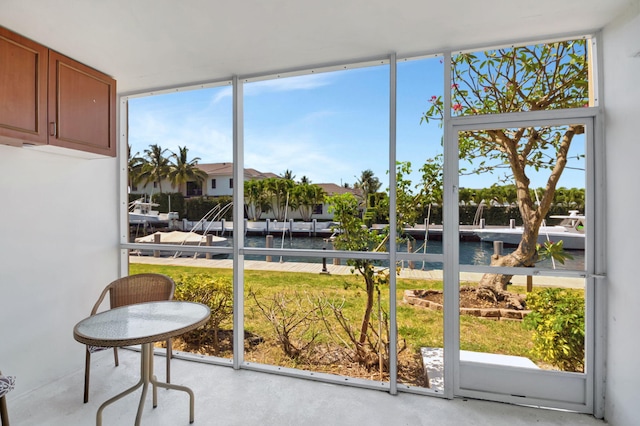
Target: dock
<point x="308" y="229"/>
<point x="316" y="268"/>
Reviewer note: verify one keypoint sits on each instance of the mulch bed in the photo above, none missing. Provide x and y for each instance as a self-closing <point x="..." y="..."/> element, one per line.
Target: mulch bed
<point x="325" y="358"/>
<point x="468" y="298"/>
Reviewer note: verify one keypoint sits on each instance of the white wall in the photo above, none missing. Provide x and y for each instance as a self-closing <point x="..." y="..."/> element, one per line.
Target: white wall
<point x="622" y="103"/>
<point x="58" y="249"/>
<point x="222" y="186"/>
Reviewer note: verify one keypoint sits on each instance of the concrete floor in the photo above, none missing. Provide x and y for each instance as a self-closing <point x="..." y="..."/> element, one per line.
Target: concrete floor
<point x="224" y="396"/>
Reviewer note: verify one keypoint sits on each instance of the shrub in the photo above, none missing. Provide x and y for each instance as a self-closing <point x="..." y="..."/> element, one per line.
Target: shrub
<point x="557" y="320"/>
<point x="170" y="202"/>
<point x="216" y="293"/>
<point x="197" y="207"/>
<point x="294" y="318"/>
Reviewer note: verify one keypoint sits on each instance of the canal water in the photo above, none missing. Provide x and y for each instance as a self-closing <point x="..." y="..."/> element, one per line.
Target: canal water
<point x="471" y="252"/>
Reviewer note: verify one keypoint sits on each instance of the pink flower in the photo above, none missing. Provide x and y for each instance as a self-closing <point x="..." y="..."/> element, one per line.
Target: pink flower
<point x="433" y="99"/>
<point x="454" y="86"/>
<point x="457" y="107"/>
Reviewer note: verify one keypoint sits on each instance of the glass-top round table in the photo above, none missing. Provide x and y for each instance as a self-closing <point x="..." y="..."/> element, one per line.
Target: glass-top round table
<point x="142" y="324"/>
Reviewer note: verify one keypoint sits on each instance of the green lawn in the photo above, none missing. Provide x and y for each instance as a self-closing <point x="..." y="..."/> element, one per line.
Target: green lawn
<point x="418" y="326"/>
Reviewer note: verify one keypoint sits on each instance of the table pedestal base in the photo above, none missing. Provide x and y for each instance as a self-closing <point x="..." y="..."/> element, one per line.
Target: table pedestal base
<point x="146" y="377"/>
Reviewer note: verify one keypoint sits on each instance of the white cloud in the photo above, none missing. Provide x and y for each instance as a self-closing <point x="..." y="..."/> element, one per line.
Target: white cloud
<point x="287" y="84"/>
<point x="205" y="139"/>
<point x="304" y="156"/>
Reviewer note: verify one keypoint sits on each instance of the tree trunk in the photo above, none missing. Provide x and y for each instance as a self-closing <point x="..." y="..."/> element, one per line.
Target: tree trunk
<point x="493" y="287"/>
<point x="369" y="308"/>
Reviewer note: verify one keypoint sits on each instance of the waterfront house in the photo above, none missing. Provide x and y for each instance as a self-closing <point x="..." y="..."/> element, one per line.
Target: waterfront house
<point x="219" y="183"/>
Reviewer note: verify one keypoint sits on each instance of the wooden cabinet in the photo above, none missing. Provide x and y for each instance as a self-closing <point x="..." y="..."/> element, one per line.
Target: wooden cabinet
<point x="82" y="107"/>
<point x="50" y="100"/>
<point x="23" y="90"/>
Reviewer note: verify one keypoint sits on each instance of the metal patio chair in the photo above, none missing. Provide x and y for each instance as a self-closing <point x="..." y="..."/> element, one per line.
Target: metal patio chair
<point x="130" y="290"/>
<point x="6" y="385"/>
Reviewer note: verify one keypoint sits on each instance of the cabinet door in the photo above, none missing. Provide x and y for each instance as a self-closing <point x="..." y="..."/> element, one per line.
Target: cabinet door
<point x="82" y="109"/>
<point x="23" y="90"/>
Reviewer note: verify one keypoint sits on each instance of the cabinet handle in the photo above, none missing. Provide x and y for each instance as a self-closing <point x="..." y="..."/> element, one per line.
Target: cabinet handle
<point x="53" y="128"/>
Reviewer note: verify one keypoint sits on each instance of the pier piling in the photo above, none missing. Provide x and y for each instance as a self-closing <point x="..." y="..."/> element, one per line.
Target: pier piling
<point x="268" y="244"/>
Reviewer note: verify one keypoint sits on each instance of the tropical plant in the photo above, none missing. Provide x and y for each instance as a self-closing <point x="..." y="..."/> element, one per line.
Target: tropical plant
<point x="552" y="250"/>
<point x="413" y="200"/>
<point x="256" y="198"/>
<point x="480" y="196"/>
<point x="156" y="165"/>
<point x="569" y="197"/>
<point x="288" y="174"/>
<point x="516" y="79"/>
<point x="216" y="293"/>
<point x="369" y="184"/>
<point x="464" y="196"/>
<point x="183" y="170"/>
<point x="135" y="164"/>
<point x="278" y="191"/>
<point x="170" y="202"/>
<point x="409" y="206"/>
<point x="557" y="321"/>
<point x="198" y="207"/>
<point x="306" y="197"/>
<point x="355" y="237"/>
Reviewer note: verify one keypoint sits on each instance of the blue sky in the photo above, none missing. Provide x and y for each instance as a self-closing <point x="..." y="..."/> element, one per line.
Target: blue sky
<point x="328" y="127"/>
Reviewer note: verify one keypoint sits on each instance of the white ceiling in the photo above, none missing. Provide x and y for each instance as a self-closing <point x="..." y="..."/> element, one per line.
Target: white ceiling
<point x="150" y="44"/>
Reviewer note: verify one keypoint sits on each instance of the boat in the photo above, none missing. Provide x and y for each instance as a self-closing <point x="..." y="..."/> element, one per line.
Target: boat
<point x="571" y="231"/>
<point x="181" y="238"/>
<point x="142" y="212"/>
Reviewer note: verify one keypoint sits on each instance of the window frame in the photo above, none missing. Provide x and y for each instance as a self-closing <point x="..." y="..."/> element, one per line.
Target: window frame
<point x="238" y="250"/>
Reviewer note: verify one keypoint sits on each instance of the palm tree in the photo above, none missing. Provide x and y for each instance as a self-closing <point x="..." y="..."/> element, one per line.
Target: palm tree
<point x="183" y="170"/>
<point x="369" y="184"/>
<point x="306" y="197"/>
<point x="156" y="165"/>
<point x="464" y="196"/>
<point x="278" y="190"/>
<point x="288" y="174"/>
<point x="575" y="198"/>
<point x="134" y="168"/>
<point x="480" y="196"/>
<point x="256" y="199"/>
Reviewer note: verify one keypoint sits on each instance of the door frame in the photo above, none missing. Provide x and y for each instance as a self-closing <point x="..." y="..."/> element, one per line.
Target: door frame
<point x="563" y="390"/>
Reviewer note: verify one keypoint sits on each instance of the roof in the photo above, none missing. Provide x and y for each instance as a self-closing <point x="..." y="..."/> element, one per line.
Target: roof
<point x="226" y="169"/>
<point x="334" y="189"/>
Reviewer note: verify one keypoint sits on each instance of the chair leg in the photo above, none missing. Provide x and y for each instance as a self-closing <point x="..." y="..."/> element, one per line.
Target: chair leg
<point x="169" y="356"/>
<point x="87" y="366"/>
<point x="115" y="356"/>
<point x="4" y="416"/>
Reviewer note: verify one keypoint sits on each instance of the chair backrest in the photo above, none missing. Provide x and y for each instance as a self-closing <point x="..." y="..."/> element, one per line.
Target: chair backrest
<point x="7" y="384"/>
<point x="137" y="288"/>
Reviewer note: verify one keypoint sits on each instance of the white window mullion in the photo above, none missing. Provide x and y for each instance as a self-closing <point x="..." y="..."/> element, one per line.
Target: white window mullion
<point x="450" y="242"/>
<point x="238" y="225"/>
<point x="393" y="323"/>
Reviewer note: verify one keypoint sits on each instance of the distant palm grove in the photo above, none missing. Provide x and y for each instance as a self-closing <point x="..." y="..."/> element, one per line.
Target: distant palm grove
<point x="277" y="195"/>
